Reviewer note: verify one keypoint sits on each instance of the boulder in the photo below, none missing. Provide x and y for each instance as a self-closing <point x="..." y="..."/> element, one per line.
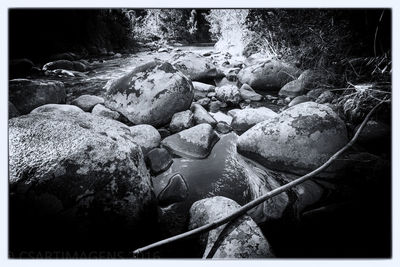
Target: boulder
<point x="101" y="110"/>
<point x="247" y="93"/>
<point x="150" y="94"/>
<point x="196" y="67"/>
<point x="59" y="64"/>
<point x="298" y="140"/>
<point x="79" y="66"/>
<point x="223" y="127"/>
<point x="27" y="95"/>
<point x="298" y="100"/>
<point x="222" y="117"/>
<point x="146" y="136"/>
<point x="246" y="118"/>
<point x="175" y="191"/>
<point x="211" y="94"/>
<point x="20" y="68"/>
<point x="204" y="102"/>
<point x="215" y="106"/>
<point x="202" y="89"/>
<point x="57" y="108"/>
<point x="325" y="97"/>
<point x="268" y="75"/>
<point x="232" y="112"/>
<point x="163" y="50"/>
<point x="181" y="121"/>
<point x="87" y="102"/>
<point x="228" y="94"/>
<point x="201" y="115"/>
<point x="158" y="160"/>
<point x="297" y="87"/>
<point x="224" y="81"/>
<point x="195" y="142"/>
<point x="163" y="132"/>
<point x="242" y="239"/>
<point x="79" y="180"/>
<point x="315" y="93"/>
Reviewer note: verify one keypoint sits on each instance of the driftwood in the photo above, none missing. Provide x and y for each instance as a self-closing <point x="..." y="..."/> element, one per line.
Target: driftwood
<point x="258" y="201"/>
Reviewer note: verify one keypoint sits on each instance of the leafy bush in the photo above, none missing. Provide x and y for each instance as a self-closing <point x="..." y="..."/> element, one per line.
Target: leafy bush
<point x="228" y="28"/>
<point x="164" y="24"/>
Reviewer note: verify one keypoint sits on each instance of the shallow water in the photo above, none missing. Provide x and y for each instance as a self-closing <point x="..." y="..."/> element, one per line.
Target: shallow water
<point x="103" y="69"/>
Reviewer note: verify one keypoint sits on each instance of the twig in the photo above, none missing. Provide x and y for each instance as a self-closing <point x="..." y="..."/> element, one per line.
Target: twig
<point x="258" y="201"/>
<point x="376" y="32"/>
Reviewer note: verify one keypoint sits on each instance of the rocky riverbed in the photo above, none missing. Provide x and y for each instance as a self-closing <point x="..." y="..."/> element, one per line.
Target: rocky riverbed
<point x="115" y="152"/>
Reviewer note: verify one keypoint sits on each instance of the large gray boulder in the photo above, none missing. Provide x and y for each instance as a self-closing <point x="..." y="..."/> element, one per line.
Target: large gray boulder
<point x="27" y="95"/>
<point x="87" y="102"/>
<point x="150" y="94"/>
<point x="221" y="117"/>
<point x="201" y="90"/>
<point x="101" y="110"/>
<point x="181" y="121"/>
<point x="242" y="239"/>
<point x="299" y="99"/>
<point x="268" y="75"/>
<point x="57" y="108"/>
<point x="201" y="115"/>
<point x="79" y="179"/>
<point x="196" y="67"/>
<point x="247" y="93"/>
<point x="297" y="87"/>
<point x="195" y="142"/>
<point x="298" y="140"/>
<point x="146" y="136"/>
<point x="228" y="94"/>
<point x="246" y="118"/>
<point x="59" y="64"/>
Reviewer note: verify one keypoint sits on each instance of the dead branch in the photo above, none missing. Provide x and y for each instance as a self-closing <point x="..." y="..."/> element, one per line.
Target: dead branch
<point x="258" y="201"/>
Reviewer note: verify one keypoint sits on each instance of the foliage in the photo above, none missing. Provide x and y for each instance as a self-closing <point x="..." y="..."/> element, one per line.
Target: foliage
<point x="228" y="27"/>
<point x="165" y="24"/>
<point x="325" y="40"/>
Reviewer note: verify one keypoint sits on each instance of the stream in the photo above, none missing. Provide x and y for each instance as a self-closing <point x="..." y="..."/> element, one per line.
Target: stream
<point x="226" y="173"/>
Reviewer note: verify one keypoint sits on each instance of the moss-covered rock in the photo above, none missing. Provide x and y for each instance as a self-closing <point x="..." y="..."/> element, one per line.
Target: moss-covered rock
<point x="268" y="75"/>
<point x="299" y="140"/>
<point x="78" y="180"/>
<point x="27" y="95"/>
<point x="151" y="94"/>
<point x="239" y="239"/>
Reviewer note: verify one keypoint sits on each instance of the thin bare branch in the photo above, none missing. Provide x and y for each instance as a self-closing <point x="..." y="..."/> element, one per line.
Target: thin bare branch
<point x="258" y="201"/>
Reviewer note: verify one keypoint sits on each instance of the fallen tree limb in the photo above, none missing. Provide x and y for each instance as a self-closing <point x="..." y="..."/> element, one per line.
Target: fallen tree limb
<point x="258" y="201"/>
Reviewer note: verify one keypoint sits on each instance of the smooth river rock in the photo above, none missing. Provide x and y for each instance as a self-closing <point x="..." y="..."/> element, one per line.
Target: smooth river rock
<point x="268" y="75"/>
<point x="201" y="115"/>
<point x="87" y="102"/>
<point x="27" y="95"/>
<point x="57" y="108"/>
<point x="151" y="94"/>
<point x="240" y="238"/>
<point x="195" y="142"/>
<point x="146" y="136"/>
<point x="298" y="140"/>
<point x="181" y="121"/>
<point x="79" y="180"/>
<point x="246" y="118"/>
<point x="228" y="94"/>
<point x="196" y="67"/>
